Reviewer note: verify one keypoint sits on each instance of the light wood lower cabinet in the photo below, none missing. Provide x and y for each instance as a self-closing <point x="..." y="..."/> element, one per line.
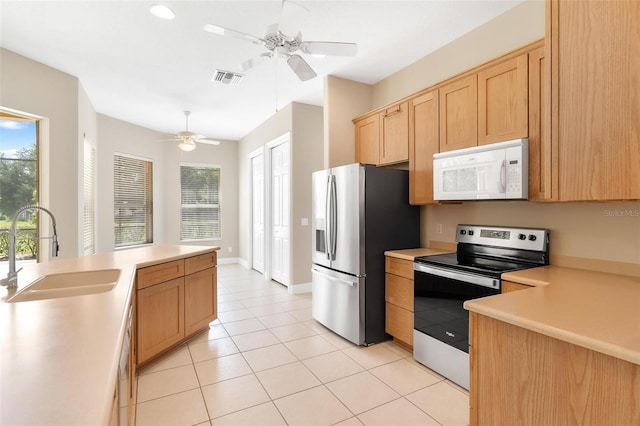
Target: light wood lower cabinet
<point x="174" y="300"/>
<point x="509" y="286"/>
<point x="160" y="317"/>
<point x="519" y="377"/>
<point x="399" y="299"/>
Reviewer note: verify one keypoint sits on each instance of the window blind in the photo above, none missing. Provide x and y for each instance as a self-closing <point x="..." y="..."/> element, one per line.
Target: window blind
<point x="89" y="204"/>
<point x="133" y="201"/>
<point x="200" y="202"/>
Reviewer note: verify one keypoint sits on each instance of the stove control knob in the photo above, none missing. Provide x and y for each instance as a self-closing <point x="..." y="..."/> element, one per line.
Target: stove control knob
<point x="470" y="232"/>
<point x="522" y="237"/>
<point x="532" y="237"/>
<point x="463" y="232"/>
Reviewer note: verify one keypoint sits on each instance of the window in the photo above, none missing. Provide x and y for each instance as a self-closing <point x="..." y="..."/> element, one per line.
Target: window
<point x="89" y="206"/>
<point x="18" y="183"/>
<point x="200" y="202"/>
<point x="133" y="200"/>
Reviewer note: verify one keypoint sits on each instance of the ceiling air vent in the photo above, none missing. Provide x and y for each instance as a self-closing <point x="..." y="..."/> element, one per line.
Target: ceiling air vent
<point x="227" y="77"/>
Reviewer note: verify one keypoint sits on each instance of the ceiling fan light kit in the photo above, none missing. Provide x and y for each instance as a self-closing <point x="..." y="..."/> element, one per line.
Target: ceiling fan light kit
<point x="187" y="140"/>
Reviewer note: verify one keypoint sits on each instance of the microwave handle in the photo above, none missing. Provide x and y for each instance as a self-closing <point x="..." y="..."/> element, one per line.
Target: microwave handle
<point x="503" y="177"/>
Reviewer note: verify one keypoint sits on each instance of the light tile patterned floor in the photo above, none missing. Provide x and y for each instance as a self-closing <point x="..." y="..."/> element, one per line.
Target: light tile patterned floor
<point x="265" y="361"/>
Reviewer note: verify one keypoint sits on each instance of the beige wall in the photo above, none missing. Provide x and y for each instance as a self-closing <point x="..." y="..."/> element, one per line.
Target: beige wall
<point x="344" y="100"/>
<point x="29" y="87"/>
<point x="304" y="123"/>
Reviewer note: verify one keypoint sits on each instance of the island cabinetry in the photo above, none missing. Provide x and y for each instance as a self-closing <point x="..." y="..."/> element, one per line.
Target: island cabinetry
<point x="520" y="377"/>
<point x="424" y="141"/>
<point x="399" y="299"/>
<point x="394" y="146"/>
<point x="367" y="137"/>
<point x="594" y="54"/>
<point x="175" y="300"/>
<point x="503" y="101"/>
<point x="459" y="114"/>
<point x="200" y="292"/>
<point x="509" y="286"/>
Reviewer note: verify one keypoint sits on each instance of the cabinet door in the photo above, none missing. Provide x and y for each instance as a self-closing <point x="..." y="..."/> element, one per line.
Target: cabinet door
<point x="459" y="114"/>
<point x="200" y="300"/>
<point x="503" y="101"/>
<point x="394" y="145"/>
<point x="595" y="97"/>
<point x="424" y="141"/>
<point x="368" y="140"/>
<point x="399" y="323"/>
<point x="540" y="150"/>
<point x="160" y="317"/>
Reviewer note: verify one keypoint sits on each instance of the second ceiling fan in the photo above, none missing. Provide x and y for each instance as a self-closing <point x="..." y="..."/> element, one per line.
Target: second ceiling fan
<point x="280" y="44"/>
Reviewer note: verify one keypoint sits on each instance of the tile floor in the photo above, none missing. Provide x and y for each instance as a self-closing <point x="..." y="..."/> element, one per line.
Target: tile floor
<point x="265" y="361"/>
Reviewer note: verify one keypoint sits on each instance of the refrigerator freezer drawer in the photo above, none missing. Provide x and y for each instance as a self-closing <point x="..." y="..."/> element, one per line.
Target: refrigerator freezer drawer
<point x="338" y="303"/>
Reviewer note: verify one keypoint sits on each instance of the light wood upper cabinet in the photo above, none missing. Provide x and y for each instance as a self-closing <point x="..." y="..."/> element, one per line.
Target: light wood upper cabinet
<point x="424" y="141"/>
<point x="594" y="53"/>
<point x="503" y="101"/>
<point x="459" y="114"/>
<point x="367" y="137"/>
<point x="394" y="145"/>
<point x="541" y="186"/>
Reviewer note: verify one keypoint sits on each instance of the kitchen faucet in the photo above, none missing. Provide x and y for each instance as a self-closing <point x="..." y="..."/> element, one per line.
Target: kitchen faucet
<point x="12" y="275"/>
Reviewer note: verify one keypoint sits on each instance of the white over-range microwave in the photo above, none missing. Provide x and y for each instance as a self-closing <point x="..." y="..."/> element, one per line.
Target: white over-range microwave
<point x="497" y="171"/>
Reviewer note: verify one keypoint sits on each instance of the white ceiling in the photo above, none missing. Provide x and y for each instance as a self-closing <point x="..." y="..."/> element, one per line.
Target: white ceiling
<point x="145" y="70"/>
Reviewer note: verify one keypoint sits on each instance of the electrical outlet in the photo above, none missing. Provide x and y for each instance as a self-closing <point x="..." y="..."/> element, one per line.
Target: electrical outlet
<point x="438" y="228"/>
<point x="230" y="249"/>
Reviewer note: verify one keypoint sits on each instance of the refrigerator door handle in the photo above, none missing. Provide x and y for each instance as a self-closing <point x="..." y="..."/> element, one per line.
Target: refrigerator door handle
<point x="327" y="215"/>
<point x="334" y="217"/>
<point x="341" y="281"/>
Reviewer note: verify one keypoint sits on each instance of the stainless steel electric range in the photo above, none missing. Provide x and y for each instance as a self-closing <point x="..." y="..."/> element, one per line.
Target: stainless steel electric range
<point x="442" y="283"/>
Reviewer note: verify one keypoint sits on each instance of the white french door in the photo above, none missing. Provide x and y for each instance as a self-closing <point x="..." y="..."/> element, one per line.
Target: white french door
<point x="280" y="208"/>
<point x="257" y="212"/>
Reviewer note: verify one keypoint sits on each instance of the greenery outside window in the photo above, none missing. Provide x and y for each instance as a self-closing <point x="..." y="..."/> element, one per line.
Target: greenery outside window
<point x="18" y="183"/>
<point x="133" y="200"/>
<point x="200" y="202"/>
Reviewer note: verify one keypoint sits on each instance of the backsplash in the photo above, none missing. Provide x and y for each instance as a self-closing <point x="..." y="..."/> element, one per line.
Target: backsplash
<point x="604" y="231"/>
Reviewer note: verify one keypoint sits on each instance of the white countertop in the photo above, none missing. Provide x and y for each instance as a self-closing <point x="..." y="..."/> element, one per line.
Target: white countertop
<point x="59" y="357"/>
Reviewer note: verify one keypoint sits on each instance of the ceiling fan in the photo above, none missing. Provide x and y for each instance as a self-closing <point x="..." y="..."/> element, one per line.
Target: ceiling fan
<point x="282" y="45"/>
<point x="187" y="140"/>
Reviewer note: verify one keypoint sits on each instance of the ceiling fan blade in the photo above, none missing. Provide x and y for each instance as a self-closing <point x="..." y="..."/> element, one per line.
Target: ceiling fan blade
<point x="301" y="67"/>
<point x="218" y="30"/>
<point x="329" y="48"/>
<point x="246" y="65"/>
<point x="207" y="141"/>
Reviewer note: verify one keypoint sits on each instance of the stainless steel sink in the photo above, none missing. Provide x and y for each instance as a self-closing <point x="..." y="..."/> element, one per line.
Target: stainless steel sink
<point x="68" y="284"/>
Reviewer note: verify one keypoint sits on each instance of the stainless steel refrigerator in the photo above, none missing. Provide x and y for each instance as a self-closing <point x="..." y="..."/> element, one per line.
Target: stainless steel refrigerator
<point x="359" y="212"/>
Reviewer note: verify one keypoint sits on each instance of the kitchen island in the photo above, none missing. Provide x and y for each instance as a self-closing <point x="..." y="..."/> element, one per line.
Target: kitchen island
<point x="566" y="351"/>
<point x="60" y="356"/>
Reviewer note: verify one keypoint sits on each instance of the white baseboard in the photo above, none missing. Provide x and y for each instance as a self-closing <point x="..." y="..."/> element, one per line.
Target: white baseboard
<point x="299" y="288"/>
<point x="227" y="260"/>
<point x="242" y="262"/>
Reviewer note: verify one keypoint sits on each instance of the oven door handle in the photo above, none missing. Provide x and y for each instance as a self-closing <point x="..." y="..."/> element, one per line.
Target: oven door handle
<point x="460" y="276"/>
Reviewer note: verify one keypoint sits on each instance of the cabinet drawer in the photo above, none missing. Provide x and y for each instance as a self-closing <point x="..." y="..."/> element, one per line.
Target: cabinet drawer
<point x="199" y="263"/>
<point x="401" y="267"/>
<point x="159" y="273"/>
<point x="399" y="323"/>
<point x="399" y="291"/>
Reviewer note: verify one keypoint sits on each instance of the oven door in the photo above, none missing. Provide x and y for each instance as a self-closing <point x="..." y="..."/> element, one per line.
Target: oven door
<point x="438" y="298"/>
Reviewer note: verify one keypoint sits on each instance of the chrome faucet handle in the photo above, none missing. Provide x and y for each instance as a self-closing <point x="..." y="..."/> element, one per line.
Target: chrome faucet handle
<point x="11" y="280"/>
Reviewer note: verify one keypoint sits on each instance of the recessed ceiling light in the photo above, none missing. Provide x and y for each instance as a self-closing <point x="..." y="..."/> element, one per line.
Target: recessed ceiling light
<point x="162" y="11"/>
